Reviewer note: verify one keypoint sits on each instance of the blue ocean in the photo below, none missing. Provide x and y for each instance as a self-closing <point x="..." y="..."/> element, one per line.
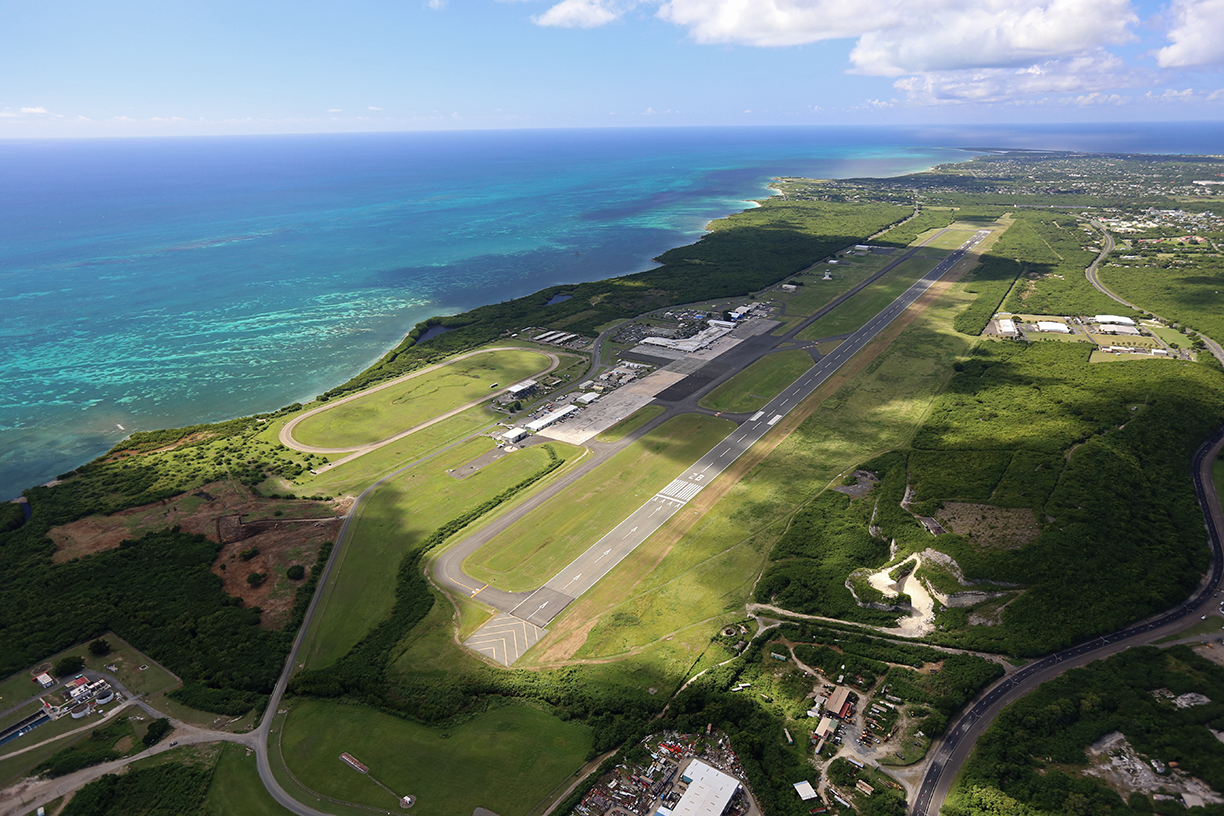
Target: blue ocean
<point x="151" y="283"/>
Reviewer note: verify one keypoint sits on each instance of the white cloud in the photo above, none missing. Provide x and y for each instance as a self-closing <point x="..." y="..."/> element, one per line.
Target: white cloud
<point x="437" y="4"/>
<point x="335" y="110"/>
<point x="1197" y="35"/>
<point x="373" y="108"/>
<point x="991" y="34"/>
<point x="897" y="37"/>
<point x="579" y="14"/>
<point x="1170" y="95"/>
<point x="34" y="110"/>
<point x="1086" y="74"/>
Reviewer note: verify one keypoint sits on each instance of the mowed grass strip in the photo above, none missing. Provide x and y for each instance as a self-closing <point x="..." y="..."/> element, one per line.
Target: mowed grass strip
<point x="534" y="549"/>
<point x="386" y="412"/>
<point x="236" y="787"/>
<point x="506" y="760"/>
<point x="855" y="312"/>
<point x="760" y="382"/>
<point x="816" y="292"/>
<point x="683" y="579"/>
<point x="393" y="521"/>
<point x="354" y="476"/>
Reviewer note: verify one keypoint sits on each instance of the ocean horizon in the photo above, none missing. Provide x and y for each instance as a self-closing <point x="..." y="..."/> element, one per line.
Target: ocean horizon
<point x="154" y="283"/>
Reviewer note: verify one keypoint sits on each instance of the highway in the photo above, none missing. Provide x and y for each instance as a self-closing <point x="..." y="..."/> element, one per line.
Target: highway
<point x="537" y="608"/>
<point x="949" y="753"/>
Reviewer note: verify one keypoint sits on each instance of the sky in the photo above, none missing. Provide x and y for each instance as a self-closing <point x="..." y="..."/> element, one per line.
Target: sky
<point x="199" y="67"/>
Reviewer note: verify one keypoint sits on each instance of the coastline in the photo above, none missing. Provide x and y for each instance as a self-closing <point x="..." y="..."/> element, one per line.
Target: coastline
<point x="102" y="423"/>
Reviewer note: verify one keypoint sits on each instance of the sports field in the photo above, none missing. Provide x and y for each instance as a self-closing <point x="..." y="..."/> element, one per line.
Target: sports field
<point x="507" y="760"/>
<point x="385" y="412"/>
<point x="760" y="382"/>
<point x="534" y="549"/>
<point x="394" y="520"/>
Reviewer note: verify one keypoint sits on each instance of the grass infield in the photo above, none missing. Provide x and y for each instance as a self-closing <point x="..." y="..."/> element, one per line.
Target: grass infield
<point x="855" y="312"/>
<point x="760" y="382"/>
<point x="391" y="522"/>
<point x="386" y="412"/>
<point x="534" y="549"/>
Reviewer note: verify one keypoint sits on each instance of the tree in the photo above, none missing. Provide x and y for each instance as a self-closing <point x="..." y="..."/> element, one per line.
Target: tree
<point x="256" y="578"/>
<point x="157" y="729"/>
<point x="69" y="665"/>
<point x="296" y="573"/>
<point x="99" y="647"/>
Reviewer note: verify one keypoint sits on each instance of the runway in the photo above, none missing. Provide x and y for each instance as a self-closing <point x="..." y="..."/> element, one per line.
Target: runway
<point x="538" y="608"/>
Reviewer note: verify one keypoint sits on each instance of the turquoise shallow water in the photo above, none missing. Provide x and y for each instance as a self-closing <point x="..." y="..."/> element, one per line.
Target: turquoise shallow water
<point x="156" y="283"/>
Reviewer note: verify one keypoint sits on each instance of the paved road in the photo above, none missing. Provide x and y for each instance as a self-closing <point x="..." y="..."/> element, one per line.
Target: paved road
<point x="1095" y="280"/>
<point x="952" y="750"/>
<point x="507" y="638"/>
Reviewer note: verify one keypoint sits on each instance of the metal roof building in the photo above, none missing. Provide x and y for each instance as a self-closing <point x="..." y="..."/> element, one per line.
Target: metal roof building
<point x="1053" y="326"/>
<point x="709" y="791"/>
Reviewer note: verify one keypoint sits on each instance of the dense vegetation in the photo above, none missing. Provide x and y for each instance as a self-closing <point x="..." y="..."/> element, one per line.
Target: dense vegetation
<point x="163" y="790"/>
<point x="158" y="594"/>
<point x="95" y="749"/>
<point x="1030" y="761"/>
<point x="1100" y="453"/>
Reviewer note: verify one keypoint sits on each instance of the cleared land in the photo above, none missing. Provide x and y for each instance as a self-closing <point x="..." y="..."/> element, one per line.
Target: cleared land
<point x="398" y="515"/>
<point x="388" y="411"/>
<point x="535" y="548"/>
<point x="752" y="388"/>
<point x="855" y="312"/>
<point x="506" y="760"/>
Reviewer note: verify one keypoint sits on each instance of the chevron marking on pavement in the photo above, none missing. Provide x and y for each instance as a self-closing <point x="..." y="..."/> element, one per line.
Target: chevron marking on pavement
<point x="504" y="638"/>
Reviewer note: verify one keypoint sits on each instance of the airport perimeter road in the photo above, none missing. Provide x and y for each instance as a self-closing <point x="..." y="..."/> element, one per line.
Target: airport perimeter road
<point x="545" y="603"/>
<point x="952" y="750"/>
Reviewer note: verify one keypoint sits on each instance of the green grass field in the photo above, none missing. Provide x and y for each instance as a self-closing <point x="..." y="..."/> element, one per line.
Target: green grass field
<point x="386" y="412"/>
<point x="535" y="548"/>
<point x="816" y="293"/>
<point x="707" y="580"/>
<point x="760" y="382"/>
<point x="507" y="760"/>
<point x="235" y="787"/>
<point x="353" y="477"/>
<point x="852" y="314"/>
<point x="400" y="514"/>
